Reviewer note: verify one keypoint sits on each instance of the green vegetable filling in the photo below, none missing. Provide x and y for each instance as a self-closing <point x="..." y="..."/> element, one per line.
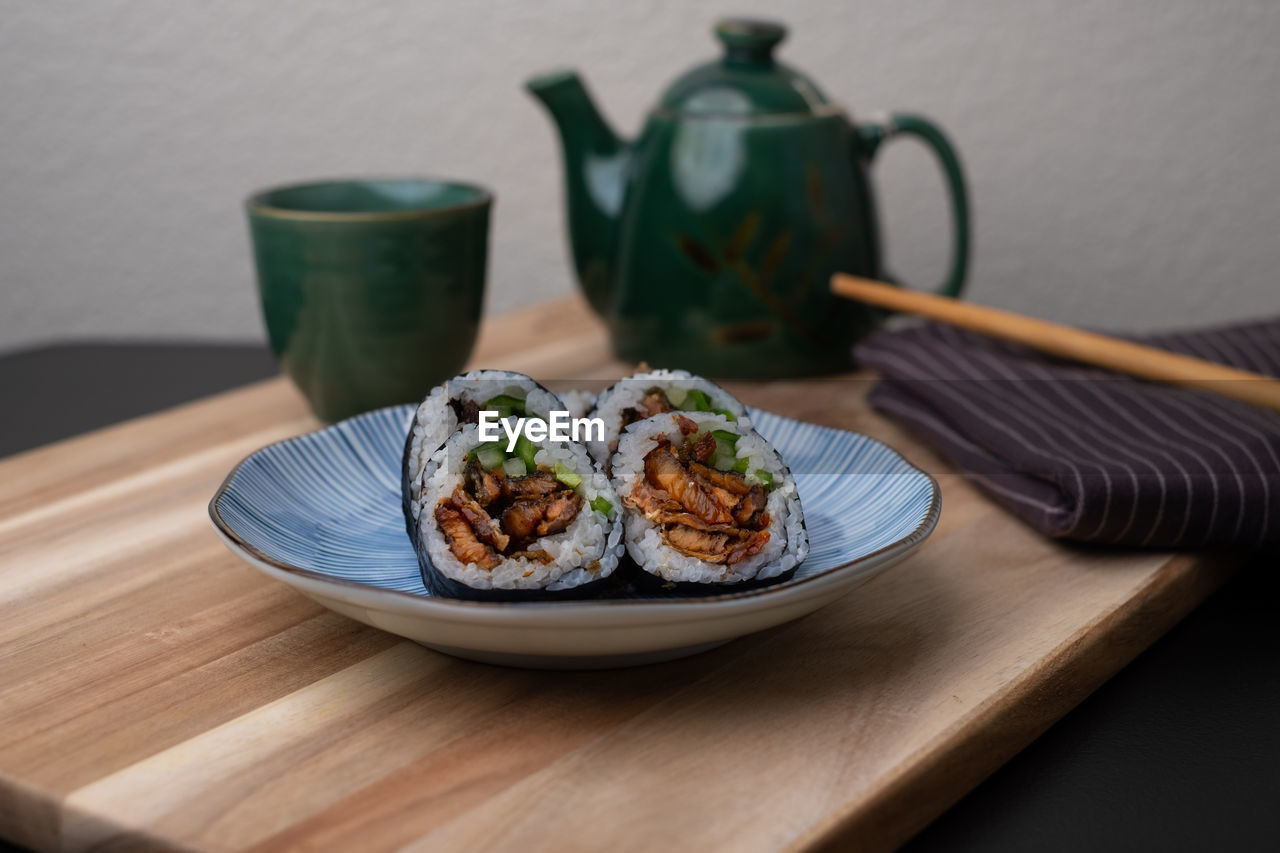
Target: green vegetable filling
<point x="526" y="450"/>
<point x="567" y="475"/>
<point x="601" y="505"/>
<point x="725" y="455"/>
<point x="490" y="455"/>
<point x="694" y="401"/>
<point x="505" y="405"/>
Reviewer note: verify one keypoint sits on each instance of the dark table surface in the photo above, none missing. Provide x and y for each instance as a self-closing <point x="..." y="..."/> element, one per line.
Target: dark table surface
<point x="1180" y="751"/>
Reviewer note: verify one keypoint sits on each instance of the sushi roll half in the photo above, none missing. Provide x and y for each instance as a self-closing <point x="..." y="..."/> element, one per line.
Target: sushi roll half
<point x="643" y="395"/>
<point x="456" y="402"/>
<point x="541" y="522"/>
<point x="707" y="503"/>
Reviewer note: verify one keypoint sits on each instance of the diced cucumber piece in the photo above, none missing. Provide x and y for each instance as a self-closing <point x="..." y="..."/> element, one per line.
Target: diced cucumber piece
<point x="677" y="395"/>
<point x="475" y="451"/>
<point x="526" y="450"/>
<point x="567" y="475"/>
<point x="725" y="435"/>
<point x="764" y="478"/>
<point x="601" y="505"/>
<point x="741" y="465"/>
<point x="725" y="456"/>
<point x="514" y="467"/>
<point x="505" y="405"/>
<point x="490" y="455"/>
<point x="696" y="401"/>
<point x="727" y="415"/>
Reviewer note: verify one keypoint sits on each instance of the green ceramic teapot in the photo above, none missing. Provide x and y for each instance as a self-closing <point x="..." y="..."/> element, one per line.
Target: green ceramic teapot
<point x="708" y="242"/>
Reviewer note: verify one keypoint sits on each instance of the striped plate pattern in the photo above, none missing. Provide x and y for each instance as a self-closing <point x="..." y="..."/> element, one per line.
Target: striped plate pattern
<point x="329" y="502"/>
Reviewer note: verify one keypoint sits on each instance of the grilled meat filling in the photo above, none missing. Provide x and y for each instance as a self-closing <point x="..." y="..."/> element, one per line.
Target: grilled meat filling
<point x="467" y="411"/>
<point x="712" y="547"/>
<point x="715" y="516"/>
<point x="490" y="516"/>
<point x="529" y="518"/>
<point x="751" y="505"/>
<point x="653" y="501"/>
<point x="701" y="449"/>
<point x="749" y="548"/>
<point x="655" y="402"/>
<point x="664" y="471"/>
<point x="521" y="519"/>
<point x="533" y="485"/>
<point x="729" y="480"/>
<point x="481" y="523"/>
<point x="486" y="487"/>
<point x="462" y="539"/>
<point x="558" y="511"/>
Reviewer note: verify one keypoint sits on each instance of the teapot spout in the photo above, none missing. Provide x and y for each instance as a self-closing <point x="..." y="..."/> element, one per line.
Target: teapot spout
<point x="595" y="167"/>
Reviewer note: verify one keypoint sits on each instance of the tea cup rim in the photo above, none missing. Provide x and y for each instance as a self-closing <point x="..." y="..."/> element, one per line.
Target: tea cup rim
<point x="258" y="203"/>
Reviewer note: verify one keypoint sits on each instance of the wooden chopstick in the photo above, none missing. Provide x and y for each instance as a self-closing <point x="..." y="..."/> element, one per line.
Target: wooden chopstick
<point x="1067" y="342"/>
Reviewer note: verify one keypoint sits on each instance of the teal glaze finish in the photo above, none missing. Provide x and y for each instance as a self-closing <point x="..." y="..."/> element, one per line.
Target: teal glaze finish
<point x="596" y="164"/>
<point x="709" y="242"/>
<point x="724" y="267"/>
<point x="746" y="80"/>
<point x="371" y="290"/>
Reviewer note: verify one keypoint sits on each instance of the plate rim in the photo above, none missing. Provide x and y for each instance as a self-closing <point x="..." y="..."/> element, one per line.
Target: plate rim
<point x="683" y="603"/>
<point x="588" y="614"/>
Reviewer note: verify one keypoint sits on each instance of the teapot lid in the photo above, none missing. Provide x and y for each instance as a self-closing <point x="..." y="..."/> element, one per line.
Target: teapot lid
<point x="746" y="81"/>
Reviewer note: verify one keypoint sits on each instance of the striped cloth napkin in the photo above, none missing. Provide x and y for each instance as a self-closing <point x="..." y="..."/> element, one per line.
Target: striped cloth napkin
<point x="1086" y="454"/>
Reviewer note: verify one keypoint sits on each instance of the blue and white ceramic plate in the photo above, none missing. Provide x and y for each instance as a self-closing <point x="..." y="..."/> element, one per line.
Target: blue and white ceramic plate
<point x="321" y="513"/>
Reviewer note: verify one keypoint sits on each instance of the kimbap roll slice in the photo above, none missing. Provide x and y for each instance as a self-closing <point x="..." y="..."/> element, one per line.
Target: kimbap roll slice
<point x="540" y="521"/>
<point x="643" y="395"/>
<point x="457" y="402"/>
<point x="707" y="503"/>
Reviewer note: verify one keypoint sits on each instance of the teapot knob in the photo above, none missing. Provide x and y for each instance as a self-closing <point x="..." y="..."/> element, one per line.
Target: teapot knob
<point x="748" y="41"/>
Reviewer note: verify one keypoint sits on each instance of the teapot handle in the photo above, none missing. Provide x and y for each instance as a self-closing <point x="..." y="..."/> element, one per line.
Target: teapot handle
<point x="872" y="133"/>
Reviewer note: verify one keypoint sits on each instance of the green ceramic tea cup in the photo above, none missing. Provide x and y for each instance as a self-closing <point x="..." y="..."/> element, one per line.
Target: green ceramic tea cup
<point x="371" y="289"/>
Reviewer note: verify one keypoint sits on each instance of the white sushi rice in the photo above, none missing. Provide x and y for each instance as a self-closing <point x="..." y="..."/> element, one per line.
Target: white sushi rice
<point x="587" y="550"/>
<point x="788" y="543"/>
<point x="629" y="392"/>
<point x="435" y="419"/>
<point x="578" y="403"/>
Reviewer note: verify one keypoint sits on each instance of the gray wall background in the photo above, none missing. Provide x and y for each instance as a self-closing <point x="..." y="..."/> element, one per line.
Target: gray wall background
<point x="1124" y="156"/>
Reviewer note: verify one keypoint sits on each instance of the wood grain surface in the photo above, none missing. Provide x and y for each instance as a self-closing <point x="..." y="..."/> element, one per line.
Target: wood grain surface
<point x="157" y="693"/>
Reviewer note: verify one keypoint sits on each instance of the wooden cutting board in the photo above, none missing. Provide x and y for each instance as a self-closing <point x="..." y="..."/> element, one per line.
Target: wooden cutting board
<point x="155" y="691"/>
